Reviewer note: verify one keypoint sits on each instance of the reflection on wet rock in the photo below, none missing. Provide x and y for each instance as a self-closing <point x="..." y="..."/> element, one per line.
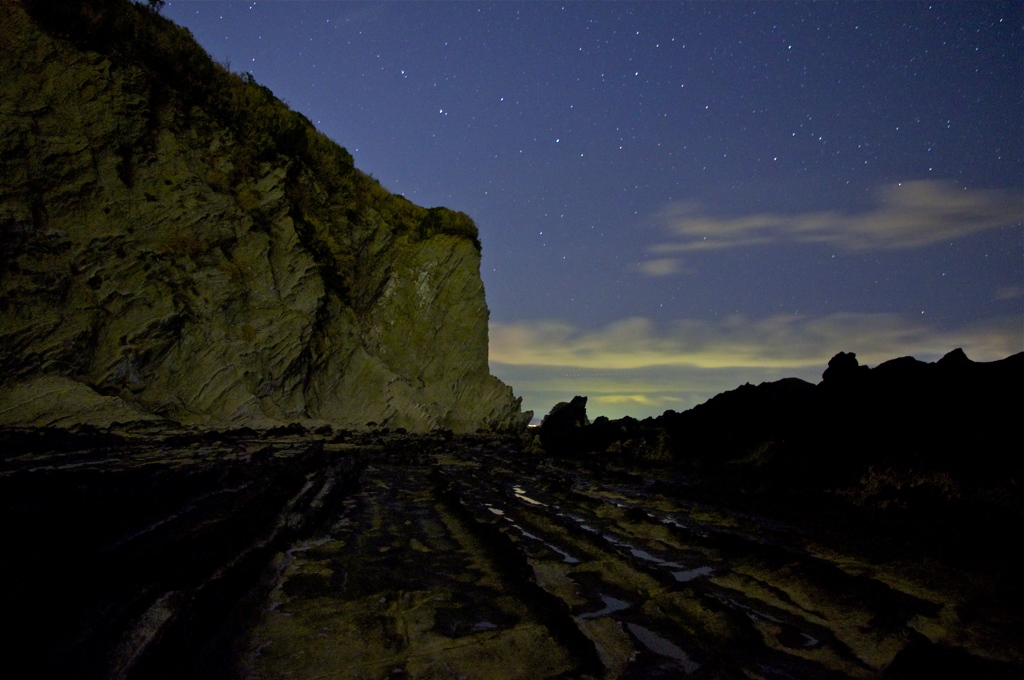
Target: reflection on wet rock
<point x="268" y="555"/>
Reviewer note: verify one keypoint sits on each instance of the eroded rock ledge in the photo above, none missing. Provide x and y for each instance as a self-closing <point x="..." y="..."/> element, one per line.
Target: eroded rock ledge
<point x="175" y="244"/>
<point x="147" y="554"/>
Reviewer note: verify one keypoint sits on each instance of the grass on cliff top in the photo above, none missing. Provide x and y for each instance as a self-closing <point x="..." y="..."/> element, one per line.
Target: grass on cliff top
<point x="180" y="77"/>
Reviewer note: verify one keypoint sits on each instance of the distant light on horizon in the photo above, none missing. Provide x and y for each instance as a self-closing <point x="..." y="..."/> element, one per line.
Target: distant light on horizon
<point x="617" y="370"/>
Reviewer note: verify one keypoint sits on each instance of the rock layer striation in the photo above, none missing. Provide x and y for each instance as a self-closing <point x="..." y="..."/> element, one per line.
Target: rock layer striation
<point x="177" y="244"/>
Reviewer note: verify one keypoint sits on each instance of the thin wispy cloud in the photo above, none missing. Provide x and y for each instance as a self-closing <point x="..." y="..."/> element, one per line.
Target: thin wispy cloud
<point x="635" y="367"/>
<point x="662" y="266"/>
<point x="1009" y="292"/>
<point x="783" y="341"/>
<point x="905" y="215"/>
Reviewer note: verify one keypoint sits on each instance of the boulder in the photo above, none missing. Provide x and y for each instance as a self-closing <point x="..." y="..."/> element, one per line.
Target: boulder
<point x="561" y="429"/>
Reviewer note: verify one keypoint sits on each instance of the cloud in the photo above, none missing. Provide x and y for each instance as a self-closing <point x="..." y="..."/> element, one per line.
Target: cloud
<point x="644" y="399"/>
<point x="905" y="215"/>
<point x="737" y="341"/>
<point x="660" y="267"/>
<point x="634" y="367"/>
<point x="1009" y="292"/>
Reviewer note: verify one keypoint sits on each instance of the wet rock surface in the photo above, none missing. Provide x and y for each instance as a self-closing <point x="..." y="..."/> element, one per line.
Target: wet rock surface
<point x="295" y="554"/>
<point x="119" y="549"/>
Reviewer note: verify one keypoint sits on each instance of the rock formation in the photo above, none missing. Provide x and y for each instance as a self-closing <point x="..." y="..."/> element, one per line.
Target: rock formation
<point x="905" y="434"/>
<point x="562" y="425"/>
<point x="220" y="555"/>
<point x="176" y="244"/>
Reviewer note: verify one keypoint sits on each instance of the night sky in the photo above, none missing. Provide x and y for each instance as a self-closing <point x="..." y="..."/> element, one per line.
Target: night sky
<point x="677" y="198"/>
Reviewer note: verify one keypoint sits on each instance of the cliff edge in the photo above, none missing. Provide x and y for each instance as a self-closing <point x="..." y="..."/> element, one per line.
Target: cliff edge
<point x="176" y="244"/>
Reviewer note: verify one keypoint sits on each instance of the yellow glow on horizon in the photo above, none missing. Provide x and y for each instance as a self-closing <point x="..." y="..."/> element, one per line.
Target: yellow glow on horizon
<point x="634" y="367"/>
<point x="779" y="342"/>
<point x="644" y="399"/>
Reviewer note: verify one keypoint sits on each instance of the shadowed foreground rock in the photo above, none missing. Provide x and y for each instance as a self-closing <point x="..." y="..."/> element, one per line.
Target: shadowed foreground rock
<point x="119" y="550"/>
<point x="318" y="555"/>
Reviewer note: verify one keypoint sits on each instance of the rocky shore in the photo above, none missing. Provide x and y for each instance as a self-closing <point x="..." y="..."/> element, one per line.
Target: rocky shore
<point x="313" y="554"/>
<point x="198" y="291"/>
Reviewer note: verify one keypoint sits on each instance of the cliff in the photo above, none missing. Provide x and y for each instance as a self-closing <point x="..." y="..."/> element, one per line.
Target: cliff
<point x="175" y="243"/>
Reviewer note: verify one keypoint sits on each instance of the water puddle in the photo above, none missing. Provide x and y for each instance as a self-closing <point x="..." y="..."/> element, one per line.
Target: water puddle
<point x="750" y="611"/>
<point x="660" y="645"/>
<point x="582" y="523"/>
<point x="685" y="527"/>
<point x="611" y="605"/>
<point x="775" y="671"/>
<point x="310" y="543"/>
<point x="566" y="557"/>
<point x="690" y="574"/>
<point x="521" y="495"/>
<point x="644" y="555"/>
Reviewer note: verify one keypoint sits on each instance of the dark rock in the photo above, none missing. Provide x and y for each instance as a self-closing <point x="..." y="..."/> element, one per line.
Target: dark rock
<point x="956" y="358"/>
<point x="560" y="430"/>
<point x="295" y="429"/>
<point x="843" y="368"/>
<point x="17" y="442"/>
<point x="924" y="659"/>
<point x="222" y="559"/>
<point x="124" y="561"/>
<point x="928" y="445"/>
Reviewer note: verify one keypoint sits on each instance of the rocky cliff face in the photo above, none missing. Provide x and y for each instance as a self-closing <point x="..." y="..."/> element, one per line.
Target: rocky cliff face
<point x="177" y="244"/>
